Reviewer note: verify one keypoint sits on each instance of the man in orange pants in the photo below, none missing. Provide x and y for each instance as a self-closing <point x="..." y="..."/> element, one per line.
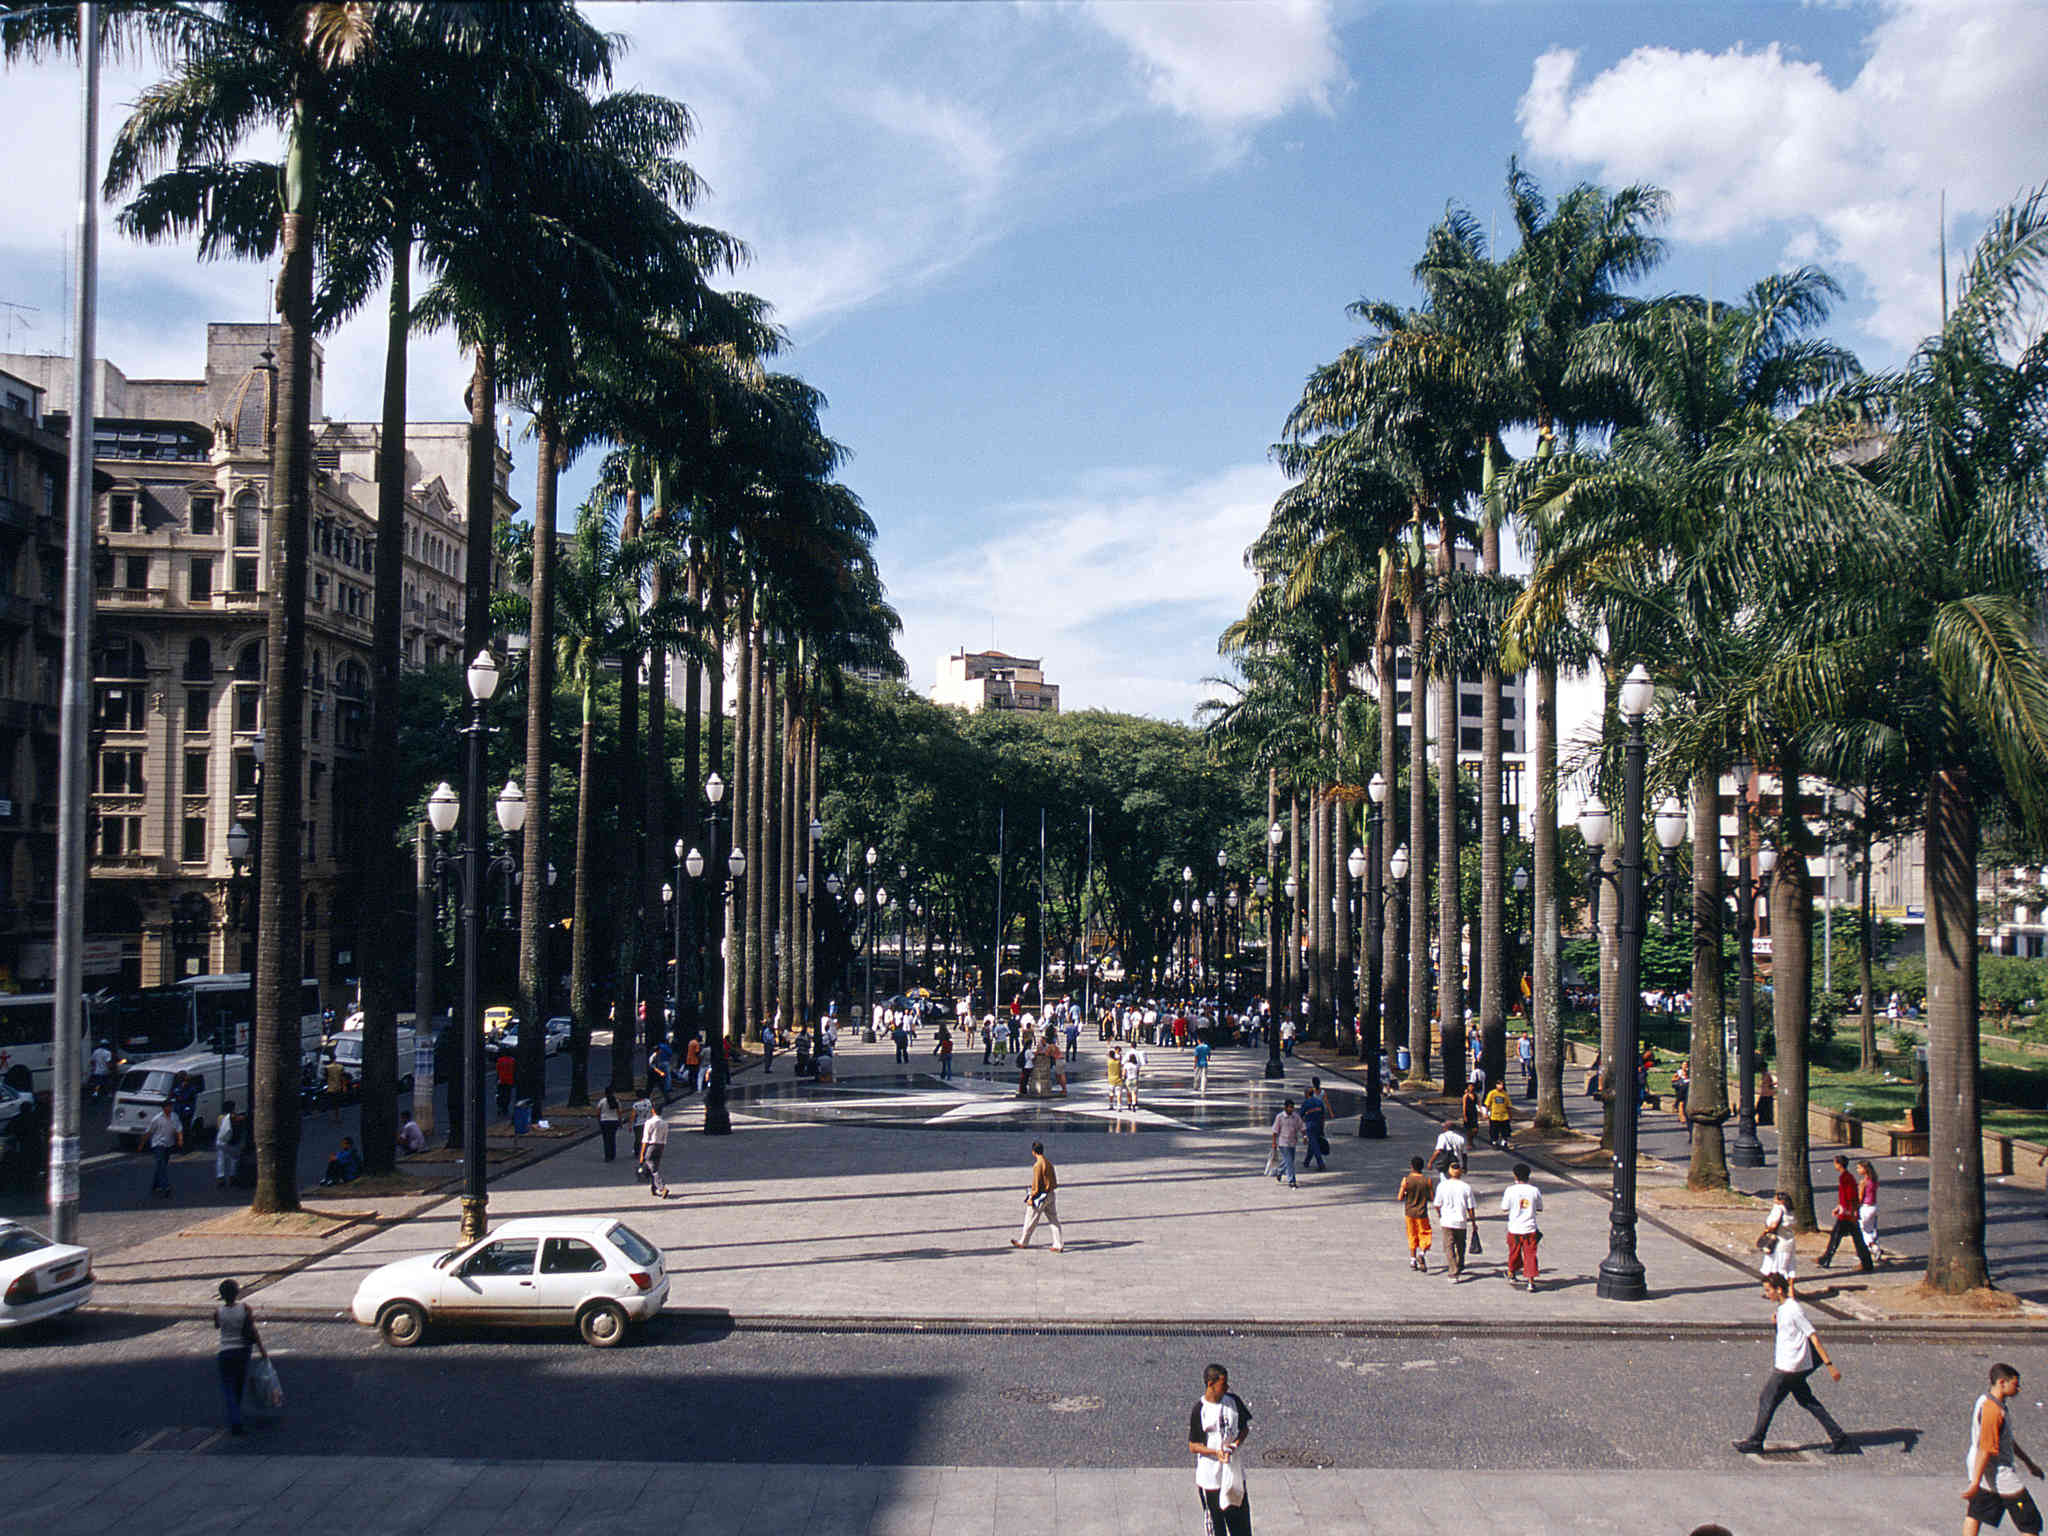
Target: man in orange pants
<point x="1416" y="1188"/>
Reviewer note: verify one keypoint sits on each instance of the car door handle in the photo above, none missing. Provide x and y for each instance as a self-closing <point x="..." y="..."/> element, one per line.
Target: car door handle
<point x="527" y="1283"/>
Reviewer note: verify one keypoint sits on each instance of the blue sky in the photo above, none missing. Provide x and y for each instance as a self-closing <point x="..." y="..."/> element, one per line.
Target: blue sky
<point x="1061" y="268"/>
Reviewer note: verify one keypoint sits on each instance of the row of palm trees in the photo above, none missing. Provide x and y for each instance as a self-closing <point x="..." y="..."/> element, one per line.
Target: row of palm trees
<point x="1832" y="574"/>
<point x="486" y="147"/>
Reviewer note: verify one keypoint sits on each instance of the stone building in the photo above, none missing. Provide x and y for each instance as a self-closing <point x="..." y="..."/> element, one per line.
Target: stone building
<point x="178" y="648"/>
<point x="976" y="680"/>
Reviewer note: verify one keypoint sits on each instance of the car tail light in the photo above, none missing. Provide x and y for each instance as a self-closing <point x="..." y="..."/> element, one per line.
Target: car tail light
<point x="641" y="1278"/>
<point x="24" y="1289"/>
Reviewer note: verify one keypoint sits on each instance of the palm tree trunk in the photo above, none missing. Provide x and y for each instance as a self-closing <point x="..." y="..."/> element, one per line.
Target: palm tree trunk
<point x="540" y="708"/>
<point x="713" y="914"/>
<point x="629" y="857"/>
<point x="1546" y="997"/>
<point x="1318" y="912"/>
<point x="786" y="1005"/>
<point x="1955" y="1163"/>
<point x="1419" y="841"/>
<point x="1792" y="992"/>
<point x="738" y="940"/>
<point x="654" y="819"/>
<point x="1492" y="947"/>
<point x="1344" y="951"/>
<point x="1272" y="882"/>
<point x="1707" y="1097"/>
<point x="688" y="1020"/>
<point x="1866" y="1033"/>
<point x="1450" y="927"/>
<point x="279" y="967"/>
<point x="1300" y="904"/>
<point x="579" y="926"/>
<point x="810" y="957"/>
<point x="384" y="922"/>
<point x="760" y="796"/>
<point x="1393" y="935"/>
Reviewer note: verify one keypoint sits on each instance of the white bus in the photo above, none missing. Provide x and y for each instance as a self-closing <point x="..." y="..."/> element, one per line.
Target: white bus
<point x="211" y="1013"/>
<point x="28" y="1036"/>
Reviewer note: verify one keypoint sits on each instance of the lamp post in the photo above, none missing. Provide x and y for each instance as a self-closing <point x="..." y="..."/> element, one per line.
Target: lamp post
<point x="1747" y="1151"/>
<point x="860" y="900"/>
<point x="1187" y="942"/>
<point x="717" y="1117"/>
<point x="1670" y="833"/>
<point x="246" y="848"/>
<point x="464" y="865"/>
<point x="903" y="906"/>
<point x="1621" y="1272"/>
<point x="1522" y="939"/>
<point x="1275" y="972"/>
<point x="1233" y="943"/>
<point x="833" y="886"/>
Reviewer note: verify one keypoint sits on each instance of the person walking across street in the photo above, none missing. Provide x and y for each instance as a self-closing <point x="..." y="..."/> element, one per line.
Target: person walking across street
<point x="164" y="1135"/>
<point x="944" y="1050"/>
<point x="1456" y="1209"/>
<point x="1417" y="1189"/>
<point x="1113" y="1071"/>
<point x="1451" y="1147"/>
<point x="653" y="1142"/>
<point x="1041" y="1201"/>
<point x="1315" y="1111"/>
<point x="1500" y="1115"/>
<point x="1995" y="1489"/>
<point x="608" y="1124"/>
<point x="1781" y="1253"/>
<point x="1216" y="1430"/>
<point x="1793" y="1360"/>
<point x="227" y="1141"/>
<point x="1520" y="1202"/>
<point x="1201" y="1066"/>
<point x="1288" y="1131"/>
<point x="507" y="1067"/>
<point x="1866" y="1207"/>
<point x="235" y="1325"/>
<point x="1846" y="1222"/>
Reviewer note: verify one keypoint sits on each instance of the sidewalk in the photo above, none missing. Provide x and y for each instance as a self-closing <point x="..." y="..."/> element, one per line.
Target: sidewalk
<point x="251" y="1494"/>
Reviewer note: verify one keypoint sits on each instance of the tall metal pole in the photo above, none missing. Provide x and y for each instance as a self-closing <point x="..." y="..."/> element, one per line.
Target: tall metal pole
<point x="1746" y="1151"/>
<point x="1373" y="1122"/>
<point x="717" y="1117"/>
<point x="423" y="969"/>
<point x="1621" y="1272"/>
<point x="66" y="1069"/>
<point x="997" y="1006"/>
<point x="1041" y="911"/>
<point x="1087" y="925"/>
<point x="475" y="1139"/>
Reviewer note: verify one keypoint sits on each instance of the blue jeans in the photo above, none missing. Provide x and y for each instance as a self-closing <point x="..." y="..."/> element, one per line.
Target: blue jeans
<point x="1286" y="1165"/>
<point x="160" y="1179"/>
<point x="1313" y="1155"/>
<point x="946" y="1065"/>
<point x="234" y="1374"/>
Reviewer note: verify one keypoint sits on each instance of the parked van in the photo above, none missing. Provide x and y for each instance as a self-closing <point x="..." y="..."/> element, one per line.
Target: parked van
<point x="144" y="1089"/>
<point x="495" y="1022"/>
<point x="348" y="1050"/>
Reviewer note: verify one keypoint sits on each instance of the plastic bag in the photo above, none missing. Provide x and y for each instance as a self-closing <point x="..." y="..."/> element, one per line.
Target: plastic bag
<point x="1230" y="1492"/>
<point x="262" y="1393"/>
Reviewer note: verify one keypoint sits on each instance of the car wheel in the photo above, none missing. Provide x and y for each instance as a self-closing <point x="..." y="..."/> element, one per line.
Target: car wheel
<point x="402" y="1324"/>
<point x="603" y="1324"/>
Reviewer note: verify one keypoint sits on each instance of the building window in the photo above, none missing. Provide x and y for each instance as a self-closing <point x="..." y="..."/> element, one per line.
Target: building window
<point x="1507" y="706"/>
<point x="117" y="707"/>
<point x="200" y="589"/>
<point x="245" y="773"/>
<point x="120" y="513"/>
<point x="1468" y="739"/>
<point x="248" y="522"/>
<point x="121" y="772"/>
<point x="192" y="843"/>
<point x="248" y="707"/>
<point x="195" y="773"/>
<point x="203" y="509"/>
<point x="199" y="661"/>
<point x="120" y="836"/>
<point x="135" y="571"/>
<point x="198" y="710"/>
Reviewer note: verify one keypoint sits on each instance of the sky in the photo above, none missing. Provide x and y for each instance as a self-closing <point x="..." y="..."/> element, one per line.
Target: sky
<point x="1061" y="269"/>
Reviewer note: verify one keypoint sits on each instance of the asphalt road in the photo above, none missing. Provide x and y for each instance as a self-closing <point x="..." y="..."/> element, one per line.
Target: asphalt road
<point x="116" y="1210"/>
<point x="1459" y="1398"/>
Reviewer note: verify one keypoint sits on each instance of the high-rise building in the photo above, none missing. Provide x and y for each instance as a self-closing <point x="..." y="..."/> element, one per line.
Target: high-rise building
<point x="973" y="680"/>
<point x="182" y="512"/>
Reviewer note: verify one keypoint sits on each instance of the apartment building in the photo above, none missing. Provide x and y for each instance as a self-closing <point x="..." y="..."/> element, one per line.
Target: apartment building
<point x="974" y="680"/>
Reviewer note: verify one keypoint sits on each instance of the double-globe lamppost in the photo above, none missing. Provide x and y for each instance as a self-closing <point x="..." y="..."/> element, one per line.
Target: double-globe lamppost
<point x="725" y="874"/>
<point x="465" y="867"/>
<point x="880" y="900"/>
<point x="1747" y="1150"/>
<point x="1621" y="1272"/>
<point x="1365" y="862"/>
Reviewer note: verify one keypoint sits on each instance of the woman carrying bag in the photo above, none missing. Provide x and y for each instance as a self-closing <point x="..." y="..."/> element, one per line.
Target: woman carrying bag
<point x="236" y="1325"/>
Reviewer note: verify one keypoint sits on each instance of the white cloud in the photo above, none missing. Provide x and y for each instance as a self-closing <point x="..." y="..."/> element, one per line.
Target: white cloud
<point x="1229" y="64"/>
<point x="1756" y="140"/>
<point x="1121" y="584"/>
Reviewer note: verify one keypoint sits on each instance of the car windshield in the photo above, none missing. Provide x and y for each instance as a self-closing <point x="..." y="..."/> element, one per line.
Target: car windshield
<point x="633" y="1245"/>
<point x="15" y="1241"/>
<point x="142" y="1081"/>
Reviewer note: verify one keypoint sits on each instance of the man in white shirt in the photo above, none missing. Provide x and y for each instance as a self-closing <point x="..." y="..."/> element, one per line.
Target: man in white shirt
<point x="225" y="1145"/>
<point x="653" y="1141"/>
<point x="1457" y="1207"/>
<point x="100" y="1075"/>
<point x="1520" y="1202"/>
<point x="1995" y="1488"/>
<point x="1451" y="1147"/>
<point x="164" y="1135"/>
<point x="1792" y="1361"/>
<point x="1288" y="1129"/>
<point x="1216" y="1429"/>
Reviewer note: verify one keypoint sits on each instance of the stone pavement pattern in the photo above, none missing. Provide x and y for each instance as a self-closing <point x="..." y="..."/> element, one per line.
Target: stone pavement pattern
<point x="310" y="1496"/>
<point x="789" y="1220"/>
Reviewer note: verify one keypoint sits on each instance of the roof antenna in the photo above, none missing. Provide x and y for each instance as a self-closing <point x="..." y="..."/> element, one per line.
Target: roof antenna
<point x="1944" y="258"/>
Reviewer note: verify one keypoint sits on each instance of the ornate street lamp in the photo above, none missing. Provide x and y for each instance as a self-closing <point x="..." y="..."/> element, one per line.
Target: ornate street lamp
<point x="1747" y="1150"/>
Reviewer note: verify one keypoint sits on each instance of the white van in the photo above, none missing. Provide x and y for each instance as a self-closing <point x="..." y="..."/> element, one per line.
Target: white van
<point x="348" y="1050"/>
<point x="143" y="1090"/>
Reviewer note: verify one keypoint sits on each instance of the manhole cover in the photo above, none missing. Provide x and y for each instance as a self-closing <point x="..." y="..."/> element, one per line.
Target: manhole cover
<point x="1081" y="1404"/>
<point x="1290" y="1456"/>
<point x="1021" y="1395"/>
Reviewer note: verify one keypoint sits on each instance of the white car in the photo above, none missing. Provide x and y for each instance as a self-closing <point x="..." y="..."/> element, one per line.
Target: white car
<point x="38" y="1278"/>
<point x="594" y="1273"/>
<point x="559" y="1029"/>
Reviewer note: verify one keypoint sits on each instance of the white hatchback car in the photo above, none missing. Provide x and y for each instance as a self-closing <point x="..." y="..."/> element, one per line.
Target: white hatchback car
<point x="594" y="1273"/>
<point x="38" y="1278"/>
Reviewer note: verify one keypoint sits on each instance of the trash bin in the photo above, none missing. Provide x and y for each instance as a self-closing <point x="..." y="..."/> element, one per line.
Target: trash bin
<point x="522" y="1116"/>
<point x="1401" y="1058"/>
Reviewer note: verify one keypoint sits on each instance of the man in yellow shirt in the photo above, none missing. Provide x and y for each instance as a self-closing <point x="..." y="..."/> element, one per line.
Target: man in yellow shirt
<point x="1499" y="1112"/>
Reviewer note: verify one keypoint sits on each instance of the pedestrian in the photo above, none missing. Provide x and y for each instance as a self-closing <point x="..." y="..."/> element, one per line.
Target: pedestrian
<point x="1456" y="1209"/>
<point x="1134" y="1073"/>
<point x="1500" y="1114"/>
<point x="1525" y="1054"/>
<point x="1451" y="1147"/>
<point x="1991" y="1455"/>
<point x="163" y="1135"/>
<point x="1287" y="1037"/>
<point x="1315" y="1111"/>
<point x="1780" y="1251"/>
<point x="1520" y="1202"/>
<point x="1113" y="1070"/>
<point x="1766" y="1098"/>
<point x="1287" y="1133"/>
<point x="1866" y="1207"/>
<point x="1201" y="1066"/>
<point x="337" y="1089"/>
<point x="1216" y="1429"/>
<point x="506" y="1068"/>
<point x="770" y="1037"/>
<point x="1792" y="1361"/>
<point x="1847" y="1225"/>
<point x="608" y="1123"/>
<point x="660" y="1061"/>
<point x="899" y="1037"/>
<point x="1027" y="1047"/>
<point x="944" y="1047"/>
<point x="226" y="1143"/>
<point x="653" y="1142"/>
<point x="1417" y="1189"/>
<point x="1059" y="1062"/>
<point x="1041" y="1201"/>
<point x="235" y="1326"/>
<point x="1681" y="1088"/>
